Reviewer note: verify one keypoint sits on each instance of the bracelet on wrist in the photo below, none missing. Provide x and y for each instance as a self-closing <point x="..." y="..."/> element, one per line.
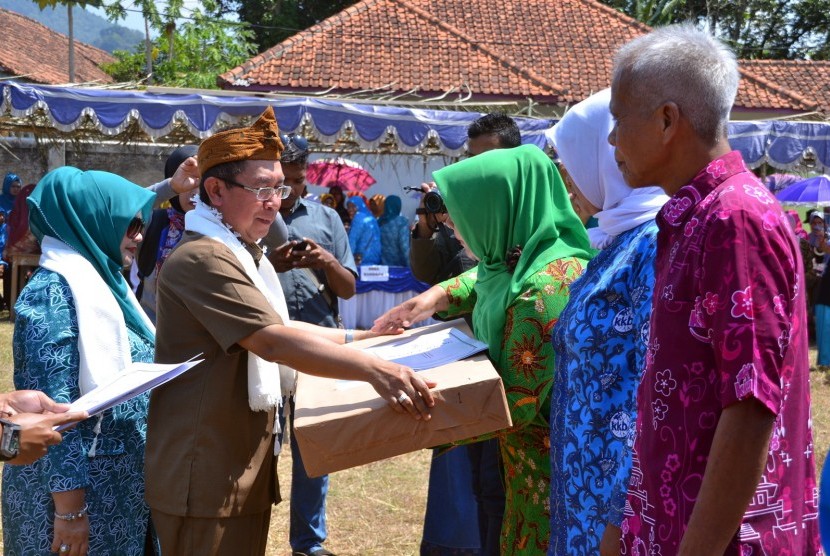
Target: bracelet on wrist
<point x="349" y="338"/>
<point x="72" y="516"/>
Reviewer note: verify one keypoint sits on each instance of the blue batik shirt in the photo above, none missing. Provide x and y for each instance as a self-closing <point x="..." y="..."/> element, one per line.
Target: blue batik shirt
<point x="600" y="342"/>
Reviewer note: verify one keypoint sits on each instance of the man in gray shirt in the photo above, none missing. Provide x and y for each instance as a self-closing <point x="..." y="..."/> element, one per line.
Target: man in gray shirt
<point x="315" y="267"/>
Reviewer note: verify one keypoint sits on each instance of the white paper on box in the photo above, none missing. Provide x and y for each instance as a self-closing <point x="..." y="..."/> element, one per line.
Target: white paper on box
<point x="425" y="351"/>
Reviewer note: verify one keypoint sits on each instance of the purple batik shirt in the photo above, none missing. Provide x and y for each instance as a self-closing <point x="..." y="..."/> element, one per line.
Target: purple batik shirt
<point x="728" y="324"/>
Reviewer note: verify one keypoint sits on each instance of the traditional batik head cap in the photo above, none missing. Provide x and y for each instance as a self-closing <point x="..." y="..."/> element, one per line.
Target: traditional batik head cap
<point x="259" y="141"/>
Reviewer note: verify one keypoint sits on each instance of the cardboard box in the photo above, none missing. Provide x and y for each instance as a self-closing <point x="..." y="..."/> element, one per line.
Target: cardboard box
<point x="338" y="428"/>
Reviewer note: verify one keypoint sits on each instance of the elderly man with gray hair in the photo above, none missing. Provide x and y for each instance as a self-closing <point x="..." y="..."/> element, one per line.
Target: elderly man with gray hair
<point x="723" y="457"/>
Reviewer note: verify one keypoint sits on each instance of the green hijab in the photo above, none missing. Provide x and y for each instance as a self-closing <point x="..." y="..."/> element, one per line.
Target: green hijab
<point x="90" y="212"/>
<point x="501" y="199"/>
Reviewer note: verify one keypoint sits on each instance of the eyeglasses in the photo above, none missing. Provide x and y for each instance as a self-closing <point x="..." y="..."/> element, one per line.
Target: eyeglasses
<point x="263" y="193"/>
<point x="136" y="227"/>
<point x="297" y="140"/>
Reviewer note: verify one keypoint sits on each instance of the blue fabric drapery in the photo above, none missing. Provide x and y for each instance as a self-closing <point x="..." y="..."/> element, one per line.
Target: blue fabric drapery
<point x="780" y="143"/>
<point x="400" y="280"/>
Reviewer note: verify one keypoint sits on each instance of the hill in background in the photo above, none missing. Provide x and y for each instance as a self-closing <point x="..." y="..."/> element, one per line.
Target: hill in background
<point x="89" y="28"/>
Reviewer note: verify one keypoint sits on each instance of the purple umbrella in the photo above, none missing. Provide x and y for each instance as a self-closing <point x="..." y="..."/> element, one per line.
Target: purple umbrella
<point x="777" y="182"/>
<point x="812" y="191"/>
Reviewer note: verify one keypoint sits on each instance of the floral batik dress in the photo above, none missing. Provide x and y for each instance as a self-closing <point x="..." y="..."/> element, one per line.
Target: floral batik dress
<point x="46" y="358"/>
<point x="526" y="367"/>
<point x="600" y="343"/>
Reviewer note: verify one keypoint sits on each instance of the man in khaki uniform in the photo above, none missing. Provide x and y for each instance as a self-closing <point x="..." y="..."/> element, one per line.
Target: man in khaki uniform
<point x="210" y="465"/>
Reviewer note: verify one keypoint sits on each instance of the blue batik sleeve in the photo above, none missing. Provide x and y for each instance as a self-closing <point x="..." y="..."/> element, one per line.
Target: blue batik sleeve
<point x="46" y="358"/>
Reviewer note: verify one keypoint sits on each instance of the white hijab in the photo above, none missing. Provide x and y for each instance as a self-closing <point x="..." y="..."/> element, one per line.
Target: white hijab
<point x="103" y="344"/>
<point x="581" y="140"/>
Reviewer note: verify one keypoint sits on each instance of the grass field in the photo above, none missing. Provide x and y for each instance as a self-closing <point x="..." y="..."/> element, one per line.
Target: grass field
<point x="378" y="508"/>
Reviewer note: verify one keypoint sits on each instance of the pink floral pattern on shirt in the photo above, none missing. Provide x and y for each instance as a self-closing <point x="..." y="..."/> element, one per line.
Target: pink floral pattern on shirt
<point x="727" y="325"/>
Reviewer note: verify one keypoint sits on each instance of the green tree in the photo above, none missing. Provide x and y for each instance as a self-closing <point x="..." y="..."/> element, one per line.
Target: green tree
<point x="204" y="47"/>
<point x="273" y="21"/>
<point x="162" y="21"/>
<point x="756" y="29"/>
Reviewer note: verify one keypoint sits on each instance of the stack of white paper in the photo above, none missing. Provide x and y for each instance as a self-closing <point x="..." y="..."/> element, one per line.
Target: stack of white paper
<point x="424" y="351"/>
<point x="427" y="351"/>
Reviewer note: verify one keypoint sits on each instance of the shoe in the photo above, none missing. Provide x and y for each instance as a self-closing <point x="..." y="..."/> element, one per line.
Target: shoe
<point x="316" y="552"/>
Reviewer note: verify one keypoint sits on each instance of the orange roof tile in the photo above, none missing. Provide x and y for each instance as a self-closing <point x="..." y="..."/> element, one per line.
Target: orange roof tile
<point x="494" y="49"/>
<point x="809" y="78"/>
<point x="36" y="53"/>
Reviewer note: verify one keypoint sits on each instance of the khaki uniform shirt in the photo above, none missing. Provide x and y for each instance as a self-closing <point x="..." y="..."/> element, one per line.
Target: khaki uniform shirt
<point x="208" y="454"/>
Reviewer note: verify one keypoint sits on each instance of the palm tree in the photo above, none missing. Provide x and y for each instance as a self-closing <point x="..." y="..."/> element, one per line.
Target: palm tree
<point x="43" y="4"/>
<point x="152" y="19"/>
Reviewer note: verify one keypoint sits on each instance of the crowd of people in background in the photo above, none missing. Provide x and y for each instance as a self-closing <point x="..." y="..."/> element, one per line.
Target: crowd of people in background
<point x="378" y="233"/>
<point x="645" y="302"/>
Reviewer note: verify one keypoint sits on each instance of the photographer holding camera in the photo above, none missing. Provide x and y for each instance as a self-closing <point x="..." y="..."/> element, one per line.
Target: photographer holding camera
<point x="434" y="253"/>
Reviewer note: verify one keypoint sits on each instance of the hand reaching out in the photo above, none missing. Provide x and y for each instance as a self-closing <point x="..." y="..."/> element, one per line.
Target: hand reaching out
<point x="37" y="414"/>
<point x="38" y="432"/>
<point x="30" y="401"/>
<point x="411" y="311"/>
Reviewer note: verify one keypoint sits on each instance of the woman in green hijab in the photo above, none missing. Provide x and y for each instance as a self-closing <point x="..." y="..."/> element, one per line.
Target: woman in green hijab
<point x="77" y="325"/>
<point x="510" y="209"/>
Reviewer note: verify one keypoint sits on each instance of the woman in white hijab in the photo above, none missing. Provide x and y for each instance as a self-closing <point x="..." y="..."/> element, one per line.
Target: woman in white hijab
<point x="601" y="337"/>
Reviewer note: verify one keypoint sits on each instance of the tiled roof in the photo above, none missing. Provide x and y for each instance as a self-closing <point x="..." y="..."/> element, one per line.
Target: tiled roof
<point x="35" y="53"/>
<point x="557" y="53"/>
<point x="431" y="46"/>
<point x="810" y="78"/>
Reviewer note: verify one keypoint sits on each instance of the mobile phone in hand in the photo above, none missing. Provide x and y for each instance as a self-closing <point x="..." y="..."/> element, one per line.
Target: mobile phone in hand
<point x="301" y="246"/>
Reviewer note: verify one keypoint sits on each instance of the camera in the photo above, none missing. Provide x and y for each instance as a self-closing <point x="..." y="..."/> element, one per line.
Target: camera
<point x="434" y="203"/>
<point x="301" y="246"/>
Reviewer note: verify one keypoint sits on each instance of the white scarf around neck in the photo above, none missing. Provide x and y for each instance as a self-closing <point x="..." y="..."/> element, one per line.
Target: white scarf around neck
<point x="264" y="391"/>
<point x="103" y="344"/>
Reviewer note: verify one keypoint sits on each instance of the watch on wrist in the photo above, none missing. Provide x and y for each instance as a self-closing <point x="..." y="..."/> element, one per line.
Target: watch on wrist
<point x="9" y="440"/>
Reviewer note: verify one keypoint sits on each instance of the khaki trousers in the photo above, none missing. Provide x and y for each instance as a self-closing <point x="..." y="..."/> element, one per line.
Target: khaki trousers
<point x="228" y="536"/>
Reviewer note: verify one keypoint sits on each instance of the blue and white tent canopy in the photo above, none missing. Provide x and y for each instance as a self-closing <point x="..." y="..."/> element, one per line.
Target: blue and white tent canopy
<point x="112" y="111"/>
<point x="782" y="144"/>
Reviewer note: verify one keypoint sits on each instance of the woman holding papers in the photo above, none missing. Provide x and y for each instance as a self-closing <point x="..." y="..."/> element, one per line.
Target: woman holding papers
<point x="77" y="325"/>
<point x="531" y="246"/>
<point x="601" y="337"/>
